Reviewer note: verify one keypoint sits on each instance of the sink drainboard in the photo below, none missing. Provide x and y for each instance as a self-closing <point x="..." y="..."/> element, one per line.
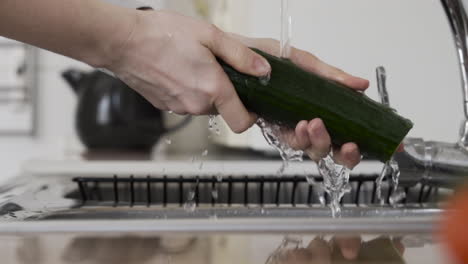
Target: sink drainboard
<point x="237" y="191"/>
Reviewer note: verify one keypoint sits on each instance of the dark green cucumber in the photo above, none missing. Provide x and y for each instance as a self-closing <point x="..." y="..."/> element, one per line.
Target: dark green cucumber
<point x="293" y="94"/>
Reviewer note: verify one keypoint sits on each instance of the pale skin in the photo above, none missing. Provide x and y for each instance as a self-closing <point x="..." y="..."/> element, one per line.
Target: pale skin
<point x="170" y="60"/>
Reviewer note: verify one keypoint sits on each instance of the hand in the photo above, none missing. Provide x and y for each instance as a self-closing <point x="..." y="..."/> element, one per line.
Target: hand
<point x="170" y="60"/>
<point x="311" y="135"/>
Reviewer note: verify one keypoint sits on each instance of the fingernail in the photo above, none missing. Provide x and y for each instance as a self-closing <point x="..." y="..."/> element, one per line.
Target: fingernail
<point x="262" y="67"/>
<point x="319" y="130"/>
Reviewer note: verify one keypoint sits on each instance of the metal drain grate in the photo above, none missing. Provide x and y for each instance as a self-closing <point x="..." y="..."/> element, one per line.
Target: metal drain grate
<point x="232" y="190"/>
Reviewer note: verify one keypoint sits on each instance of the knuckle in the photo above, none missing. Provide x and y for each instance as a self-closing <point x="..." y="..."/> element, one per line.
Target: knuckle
<point x="242" y="126"/>
<point x="196" y="108"/>
<point x="215" y="34"/>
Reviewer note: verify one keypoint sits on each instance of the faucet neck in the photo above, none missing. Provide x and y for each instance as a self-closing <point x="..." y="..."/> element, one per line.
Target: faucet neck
<point x="458" y="19"/>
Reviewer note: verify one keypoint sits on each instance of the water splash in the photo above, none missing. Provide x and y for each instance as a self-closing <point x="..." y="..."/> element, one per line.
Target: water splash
<point x="335" y="182"/>
<point x="219" y="177"/>
<point x="213" y="125"/>
<point x="390" y="168"/>
<point x="265" y="80"/>
<point x="397" y="196"/>
<point x="272" y="134"/>
<point x="215" y="194"/>
<point x="190" y="205"/>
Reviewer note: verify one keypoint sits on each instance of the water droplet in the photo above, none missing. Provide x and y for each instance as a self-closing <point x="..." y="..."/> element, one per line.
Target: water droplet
<point x="213" y="125"/>
<point x="190" y="206"/>
<point x="219" y="177"/>
<point x="205" y="153"/>
<point x="191" y="195"/>
<point x="397" y="197"/>
<point x="322" y="200"/>
<point x="168" y="141"/>
<point x="264" y="80"/>
<point x="170" y="112"/>
<point x="214" y="217"/>
<point x="214" y="194"/>
<point x="310" y="179"/>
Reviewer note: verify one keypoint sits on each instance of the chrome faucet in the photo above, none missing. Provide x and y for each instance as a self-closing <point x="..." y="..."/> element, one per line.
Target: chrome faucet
<point x="440" y="163"/>
<point x="456" y="12"/>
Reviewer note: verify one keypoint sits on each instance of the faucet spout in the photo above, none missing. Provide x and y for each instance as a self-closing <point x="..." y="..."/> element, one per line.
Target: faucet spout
<point x="458" y="19"/>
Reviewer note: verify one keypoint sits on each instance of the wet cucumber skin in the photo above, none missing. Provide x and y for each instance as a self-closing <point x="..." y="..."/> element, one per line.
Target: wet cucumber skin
<point x="292" y="95"/>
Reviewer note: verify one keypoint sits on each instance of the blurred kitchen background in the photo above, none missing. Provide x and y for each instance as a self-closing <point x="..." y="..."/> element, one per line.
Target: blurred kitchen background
<point x="411" y="39"/>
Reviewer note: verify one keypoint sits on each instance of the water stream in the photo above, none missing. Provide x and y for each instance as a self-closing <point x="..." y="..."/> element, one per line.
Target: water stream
<point x="336" y="177"/>
<point x="286" y="30"/>
<point x="272" y="134"/>
<point x="391" y="167"/>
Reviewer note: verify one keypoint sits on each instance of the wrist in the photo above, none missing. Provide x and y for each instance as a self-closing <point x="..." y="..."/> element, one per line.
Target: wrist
<point x="111" y="39"/>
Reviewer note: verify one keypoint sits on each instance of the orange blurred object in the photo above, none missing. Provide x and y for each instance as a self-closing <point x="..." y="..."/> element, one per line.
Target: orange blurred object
<point x="454" y="227"/>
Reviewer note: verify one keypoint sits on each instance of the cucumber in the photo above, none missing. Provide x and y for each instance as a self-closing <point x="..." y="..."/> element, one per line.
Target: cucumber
<point x="293" y="94"/>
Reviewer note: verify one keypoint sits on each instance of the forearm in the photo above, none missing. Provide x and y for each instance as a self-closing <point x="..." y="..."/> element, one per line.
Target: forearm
<point x="88" y="30"/>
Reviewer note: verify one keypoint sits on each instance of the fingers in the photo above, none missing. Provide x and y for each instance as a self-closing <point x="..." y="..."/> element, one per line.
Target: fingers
<point x="299" y="138"/>
<point x="349" y="246"/>
<point x="230" y="107"/>
<point x="308" y="62"/>
<point x="319" y="140"/>
<point x="313" y="138"/>
<point x="313" y="64"/>
<point x="236" y="54"/>
<point x="348" y="155"/>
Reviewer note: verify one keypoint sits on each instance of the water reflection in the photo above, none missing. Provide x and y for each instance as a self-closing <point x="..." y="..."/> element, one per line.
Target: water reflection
<point x="129" y="249"/>
<point x="338" y="249"/>
<point x="219" y="249"/>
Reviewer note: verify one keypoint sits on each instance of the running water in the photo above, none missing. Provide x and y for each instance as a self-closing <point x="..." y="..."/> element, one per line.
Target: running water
<point x="336" y="177"/>
<point x="335" y="182"/>
<point x="286" y="30"/>
<point x="190" y="205"/>
<point x="272" y="134"/>
<point x="391" y="167"/>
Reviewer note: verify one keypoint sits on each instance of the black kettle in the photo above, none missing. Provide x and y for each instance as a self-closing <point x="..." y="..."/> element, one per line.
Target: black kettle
<point x="112" y="116"/>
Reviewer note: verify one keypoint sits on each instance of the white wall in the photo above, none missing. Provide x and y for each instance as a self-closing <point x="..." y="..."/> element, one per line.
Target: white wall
<point x="56" y="105"/>
<point x="410" y="38"/>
